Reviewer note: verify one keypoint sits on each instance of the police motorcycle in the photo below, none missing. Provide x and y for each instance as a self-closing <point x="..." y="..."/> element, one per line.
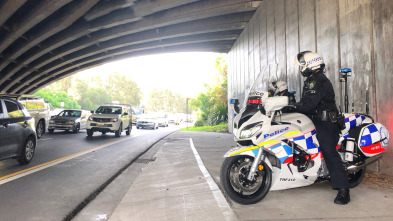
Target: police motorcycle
<point x="279" y="150"/>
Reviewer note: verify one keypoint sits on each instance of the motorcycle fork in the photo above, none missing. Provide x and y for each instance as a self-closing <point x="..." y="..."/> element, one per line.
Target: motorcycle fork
<point x="255" y="164"/>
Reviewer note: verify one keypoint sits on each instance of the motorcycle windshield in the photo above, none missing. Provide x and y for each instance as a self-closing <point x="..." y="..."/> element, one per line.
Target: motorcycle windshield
<point x="260" y="84"/>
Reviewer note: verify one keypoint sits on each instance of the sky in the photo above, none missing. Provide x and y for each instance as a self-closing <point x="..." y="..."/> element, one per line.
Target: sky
<point x="184" y="73"/>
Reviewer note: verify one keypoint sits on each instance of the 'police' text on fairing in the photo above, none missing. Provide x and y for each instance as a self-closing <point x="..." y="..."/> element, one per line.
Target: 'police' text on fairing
<point x="275" y="132"/>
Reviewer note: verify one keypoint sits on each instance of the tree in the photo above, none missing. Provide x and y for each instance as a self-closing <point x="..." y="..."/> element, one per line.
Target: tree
<point x="123" y="89"/>
<point x="118" y="87"/>
<point x="204" y="103"/>
<point x="64" y="84"/>
<point x="92" y="98"/>
<point x="179" y="103"/>
<point x="213" y="103"/>
<point x="167" y="101"/>
<point x="56" y="97"/>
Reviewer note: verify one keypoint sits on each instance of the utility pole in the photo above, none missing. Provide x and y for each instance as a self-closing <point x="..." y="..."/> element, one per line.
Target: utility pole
<point x="187" y="112"/>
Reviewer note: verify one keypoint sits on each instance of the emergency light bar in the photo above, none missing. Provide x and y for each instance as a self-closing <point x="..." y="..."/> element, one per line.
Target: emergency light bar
<point x="233" y="101"/>
<point x="345" y="70"/>
<point x="345" y="73"/>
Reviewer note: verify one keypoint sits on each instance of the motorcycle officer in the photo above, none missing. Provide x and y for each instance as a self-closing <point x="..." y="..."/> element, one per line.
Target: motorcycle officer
<point x="319" y="104"/>
<point x="280" y="88"/>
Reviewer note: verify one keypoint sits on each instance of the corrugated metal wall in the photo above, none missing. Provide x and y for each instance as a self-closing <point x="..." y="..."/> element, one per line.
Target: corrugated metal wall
<point x="348" y="33"/>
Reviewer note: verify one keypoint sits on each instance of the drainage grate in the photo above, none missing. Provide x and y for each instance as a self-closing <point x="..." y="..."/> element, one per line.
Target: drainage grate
<point x="144" y="161"/>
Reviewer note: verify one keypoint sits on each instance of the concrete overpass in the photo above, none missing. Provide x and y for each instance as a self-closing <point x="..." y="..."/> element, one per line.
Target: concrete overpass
<point x="42" y="41"/>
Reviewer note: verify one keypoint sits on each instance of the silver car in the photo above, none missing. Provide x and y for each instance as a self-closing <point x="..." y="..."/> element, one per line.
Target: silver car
<point x="147" y="121"/>
<point x="69" y="120"/>
<point x="18" y="138"/>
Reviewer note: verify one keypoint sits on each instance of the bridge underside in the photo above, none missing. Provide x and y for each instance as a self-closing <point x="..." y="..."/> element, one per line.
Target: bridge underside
<point x="43" y="41"/>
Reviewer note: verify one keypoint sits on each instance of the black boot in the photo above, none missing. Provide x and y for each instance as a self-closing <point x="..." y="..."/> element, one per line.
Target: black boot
<point x="343" y="196"/>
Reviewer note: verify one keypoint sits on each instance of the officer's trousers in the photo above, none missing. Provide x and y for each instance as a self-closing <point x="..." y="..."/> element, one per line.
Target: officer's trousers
<point x="328" y="135"/>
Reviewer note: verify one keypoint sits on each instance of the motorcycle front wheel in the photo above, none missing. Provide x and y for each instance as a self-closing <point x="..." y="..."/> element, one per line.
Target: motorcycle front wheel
<point x="234" y="172"/>
<point x="356" y="178"/>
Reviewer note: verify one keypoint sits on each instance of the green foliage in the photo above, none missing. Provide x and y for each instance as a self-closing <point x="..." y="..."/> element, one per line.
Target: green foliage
<point x="92" y="98"/>
<point x="222" y="128"/>
<point x="56" y="97"/>
<point x="219" y="114"/>
<point x="199" y="123"/>
<point x="213" y="103"/>
<point x="204" y="103"/>
<point x="94" y="91"/>
<point x="123" y="89"/>
<point x="167" y="101"/>
<point x="64" y="84"/>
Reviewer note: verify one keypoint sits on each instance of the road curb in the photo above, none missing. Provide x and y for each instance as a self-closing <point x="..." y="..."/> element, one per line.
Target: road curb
<point x="97" y="191"/>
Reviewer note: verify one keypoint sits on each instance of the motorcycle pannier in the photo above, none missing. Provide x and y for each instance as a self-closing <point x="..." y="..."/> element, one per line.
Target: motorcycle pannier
<point x="373" y="139"/>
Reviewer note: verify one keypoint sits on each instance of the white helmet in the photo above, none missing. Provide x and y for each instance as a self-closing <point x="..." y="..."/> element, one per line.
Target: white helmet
<point x="309" y="62"/>
<point x="278" y="86"/>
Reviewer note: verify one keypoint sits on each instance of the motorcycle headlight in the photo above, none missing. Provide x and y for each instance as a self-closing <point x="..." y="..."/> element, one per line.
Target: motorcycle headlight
<point x="250" y="130"/>
<point x="114" y="119"/>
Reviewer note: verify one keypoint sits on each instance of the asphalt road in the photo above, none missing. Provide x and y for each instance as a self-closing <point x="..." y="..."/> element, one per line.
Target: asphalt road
<point x="67" y="168"/>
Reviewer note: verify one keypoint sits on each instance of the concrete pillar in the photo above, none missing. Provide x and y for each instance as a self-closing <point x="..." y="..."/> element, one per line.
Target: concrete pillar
<point x="382" y="17"/>
<point x="292" y="43"/>
<point x="356" y="46"/>
<point x="354" y="34"/>
<point x="327" y="40"/>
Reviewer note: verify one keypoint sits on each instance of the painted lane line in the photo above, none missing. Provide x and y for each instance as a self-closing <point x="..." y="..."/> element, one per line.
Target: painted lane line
<point x="22" y="173"/>
<point x="44" y="139"/>
<point x="220" y="199"/>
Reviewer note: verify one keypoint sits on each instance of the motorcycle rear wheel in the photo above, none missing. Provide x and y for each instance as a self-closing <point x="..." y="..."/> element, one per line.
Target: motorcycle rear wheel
<point x="234" y="171"/>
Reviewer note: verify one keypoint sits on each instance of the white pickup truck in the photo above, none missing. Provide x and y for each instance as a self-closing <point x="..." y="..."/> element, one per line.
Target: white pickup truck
<point x="38" y="109"/>
<point x="113" y="118"/>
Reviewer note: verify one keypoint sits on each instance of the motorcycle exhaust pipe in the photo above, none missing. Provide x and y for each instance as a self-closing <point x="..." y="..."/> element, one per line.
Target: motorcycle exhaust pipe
<point x="356" y="168"/>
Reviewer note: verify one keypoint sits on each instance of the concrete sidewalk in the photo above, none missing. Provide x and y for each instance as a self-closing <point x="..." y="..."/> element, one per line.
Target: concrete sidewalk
<point x="174" y="187"/>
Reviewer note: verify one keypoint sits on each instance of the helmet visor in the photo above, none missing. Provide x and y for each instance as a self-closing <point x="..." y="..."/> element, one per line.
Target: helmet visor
<point x="274" y="84"/>
<point x="300" y="59"/>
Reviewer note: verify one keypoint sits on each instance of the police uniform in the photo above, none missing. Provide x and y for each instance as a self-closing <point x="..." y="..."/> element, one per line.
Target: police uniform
<point x="318" y="103"/>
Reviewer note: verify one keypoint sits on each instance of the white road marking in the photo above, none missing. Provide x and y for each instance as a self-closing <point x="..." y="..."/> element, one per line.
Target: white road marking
<point x="220" y="199"/>
<point x="43" y="139"/>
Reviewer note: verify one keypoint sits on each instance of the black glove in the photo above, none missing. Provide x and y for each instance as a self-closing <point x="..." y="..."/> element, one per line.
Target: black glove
<point x="289" y="109"/>
<point x="270" y="93"/>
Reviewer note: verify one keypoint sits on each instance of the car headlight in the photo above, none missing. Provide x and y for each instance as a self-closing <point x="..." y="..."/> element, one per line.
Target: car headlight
<point x="51" y="121"/>
<point x="90" y="118"/>
<point x="250" y="130"/>
<point x="31" y="123"/>
<point x="70" y="122"/>
<point x="114" y="119"/>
